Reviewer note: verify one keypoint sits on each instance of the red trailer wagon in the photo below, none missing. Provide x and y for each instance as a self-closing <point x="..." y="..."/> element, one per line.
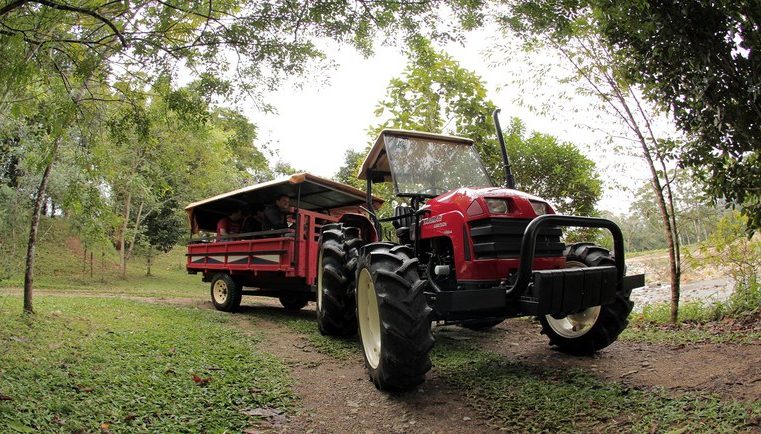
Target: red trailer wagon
<point x="276" y="263"/>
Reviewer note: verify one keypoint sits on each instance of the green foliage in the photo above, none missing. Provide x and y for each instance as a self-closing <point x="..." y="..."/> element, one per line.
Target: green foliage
<point x="723" y="322"/>
<point x="86" y="362"/>
<point x="730" y="248"/>
<point x="555" y="171"/>
<point x="524" y="398"/>
<point x="696" y="59"/>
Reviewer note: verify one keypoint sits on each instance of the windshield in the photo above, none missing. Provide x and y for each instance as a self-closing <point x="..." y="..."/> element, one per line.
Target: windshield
<point x="430" y="167"/>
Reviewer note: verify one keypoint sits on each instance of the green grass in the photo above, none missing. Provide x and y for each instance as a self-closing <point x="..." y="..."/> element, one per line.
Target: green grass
<point x="728" y="322"/>
<point x="83" y="362"/>
<point x="520" y="398"/>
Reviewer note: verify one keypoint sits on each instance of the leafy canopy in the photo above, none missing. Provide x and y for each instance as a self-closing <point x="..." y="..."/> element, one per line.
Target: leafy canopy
<point x="697" y="59"/>
<point x="436" y="94"/>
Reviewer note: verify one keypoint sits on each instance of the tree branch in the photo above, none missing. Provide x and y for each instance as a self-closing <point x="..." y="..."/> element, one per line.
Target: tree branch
<point x="88" y="12"/>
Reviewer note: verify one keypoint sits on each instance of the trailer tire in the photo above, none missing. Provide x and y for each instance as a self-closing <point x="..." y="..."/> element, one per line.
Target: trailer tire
<point x="336" y="269"/>
<point x="294" y="302"/>
<point x="226" y="293"/>
<point x="394" y="317"/>
<point x="599" y="326"/>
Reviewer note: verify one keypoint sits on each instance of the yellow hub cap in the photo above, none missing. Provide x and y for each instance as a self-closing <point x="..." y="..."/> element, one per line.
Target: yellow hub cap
<point x="369" y="319"/>
<point x="576" y="324"/>
<point x="220" y="291"/>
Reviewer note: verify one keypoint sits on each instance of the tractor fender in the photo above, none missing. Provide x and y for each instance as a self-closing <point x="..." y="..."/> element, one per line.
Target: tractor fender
<point x="366" y="227"/>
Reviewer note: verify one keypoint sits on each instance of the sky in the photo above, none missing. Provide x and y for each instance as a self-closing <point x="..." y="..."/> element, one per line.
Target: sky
<point x="317" y="122"/>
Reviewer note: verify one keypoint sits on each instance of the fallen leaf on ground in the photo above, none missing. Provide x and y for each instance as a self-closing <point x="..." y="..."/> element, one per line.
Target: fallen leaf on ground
<point x="201" y="381"/>
<point x="80" y="388"/>
<point x="5" y="397"/>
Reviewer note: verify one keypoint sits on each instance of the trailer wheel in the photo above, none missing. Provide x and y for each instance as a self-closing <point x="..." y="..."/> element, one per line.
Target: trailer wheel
<point x="225" y="293"/>
<point x="594" y="328"/>
<point x="393" y="314"/>
<point x="293" y="302"/>
<point x="336" y="269"/>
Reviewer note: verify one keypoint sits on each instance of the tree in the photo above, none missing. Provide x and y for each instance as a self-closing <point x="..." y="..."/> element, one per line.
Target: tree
<point x="436" y="94"/>
<point x="700" y="60"/>
<point x="597" y="72"/>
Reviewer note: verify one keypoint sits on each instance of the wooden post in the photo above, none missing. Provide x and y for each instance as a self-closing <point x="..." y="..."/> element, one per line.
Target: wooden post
<point x="91" y="264"/>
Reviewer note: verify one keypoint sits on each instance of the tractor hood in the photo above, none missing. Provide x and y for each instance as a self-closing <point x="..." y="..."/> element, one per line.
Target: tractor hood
<point x="476" y="203"/>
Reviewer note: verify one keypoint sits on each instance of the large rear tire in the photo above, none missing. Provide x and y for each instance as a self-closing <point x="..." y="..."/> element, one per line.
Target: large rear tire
<point x="226" y="293"/>
<point x="594" y="328"/>
<point x="336" y="269"/>
<point x="393" y="314"/>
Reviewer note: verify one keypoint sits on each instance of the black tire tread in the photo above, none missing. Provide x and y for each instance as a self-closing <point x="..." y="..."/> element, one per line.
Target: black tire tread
<point x="338" y="244"/>
<point x="406" y="339"/>
<point x="235" y="293"/>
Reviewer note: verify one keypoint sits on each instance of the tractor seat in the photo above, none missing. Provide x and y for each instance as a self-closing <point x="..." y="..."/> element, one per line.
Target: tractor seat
<point x="403" y="216"/>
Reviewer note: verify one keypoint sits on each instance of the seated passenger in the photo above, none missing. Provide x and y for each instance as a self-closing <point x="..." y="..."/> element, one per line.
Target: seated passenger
<point x="253" y="220"/>
<point x="229" y="225"/>
<point x="275" y="215"/>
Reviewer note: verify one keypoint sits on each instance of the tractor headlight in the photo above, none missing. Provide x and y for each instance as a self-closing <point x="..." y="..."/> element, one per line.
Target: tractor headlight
<point x="497" y="206"/>
<point x="540" y="208"/>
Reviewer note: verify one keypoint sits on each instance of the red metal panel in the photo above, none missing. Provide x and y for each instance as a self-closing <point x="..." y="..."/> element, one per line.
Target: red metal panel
<point x="265" y="254"/>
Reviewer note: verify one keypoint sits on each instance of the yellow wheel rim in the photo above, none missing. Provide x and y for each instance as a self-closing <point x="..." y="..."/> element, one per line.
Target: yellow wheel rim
<point x="369" y="319"/>
<point x="220" y="291"/>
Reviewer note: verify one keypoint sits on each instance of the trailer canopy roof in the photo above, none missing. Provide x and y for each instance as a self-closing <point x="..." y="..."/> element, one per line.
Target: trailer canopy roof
<point x="376" y="161"/>
<point x="316" y="194"/>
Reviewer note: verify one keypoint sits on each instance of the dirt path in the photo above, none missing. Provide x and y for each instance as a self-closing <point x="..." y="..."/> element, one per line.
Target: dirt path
<point x="337" y="396"/>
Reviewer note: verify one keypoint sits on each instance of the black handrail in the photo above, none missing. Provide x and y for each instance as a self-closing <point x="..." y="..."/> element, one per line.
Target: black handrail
<point x="528" y="245"/>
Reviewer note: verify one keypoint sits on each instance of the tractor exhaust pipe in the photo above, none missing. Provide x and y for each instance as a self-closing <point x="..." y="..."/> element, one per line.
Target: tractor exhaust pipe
<point x="509" y="179"/>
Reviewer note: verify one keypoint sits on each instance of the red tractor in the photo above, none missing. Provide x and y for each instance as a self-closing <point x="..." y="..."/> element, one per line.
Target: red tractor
<point x="467" y="253"/>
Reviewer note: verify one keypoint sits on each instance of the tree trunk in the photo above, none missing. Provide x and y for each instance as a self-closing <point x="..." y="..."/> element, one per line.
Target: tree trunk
<point x="135" y="229"/>
<point x="39" y="201"/>
<point x="150" y="257"/>
<point x="123" y="235"/>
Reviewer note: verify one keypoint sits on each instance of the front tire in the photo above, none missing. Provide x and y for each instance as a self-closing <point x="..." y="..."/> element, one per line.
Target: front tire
<point x="594" y="328"/>
<point x="393" y="314"/>
<point x="226" y="293"/>
<point x="336" y="269"/>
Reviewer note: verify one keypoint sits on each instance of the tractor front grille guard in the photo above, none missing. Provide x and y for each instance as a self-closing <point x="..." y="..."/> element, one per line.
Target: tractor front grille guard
<point x="528" y="246"/>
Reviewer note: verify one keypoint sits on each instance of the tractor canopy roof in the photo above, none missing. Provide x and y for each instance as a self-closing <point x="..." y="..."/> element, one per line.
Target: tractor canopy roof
<point x="312" y="192"/>
<point x="424" y="164"/>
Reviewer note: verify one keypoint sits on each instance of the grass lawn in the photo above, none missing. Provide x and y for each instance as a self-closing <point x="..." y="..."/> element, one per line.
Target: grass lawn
<point x="86" y="364"/>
